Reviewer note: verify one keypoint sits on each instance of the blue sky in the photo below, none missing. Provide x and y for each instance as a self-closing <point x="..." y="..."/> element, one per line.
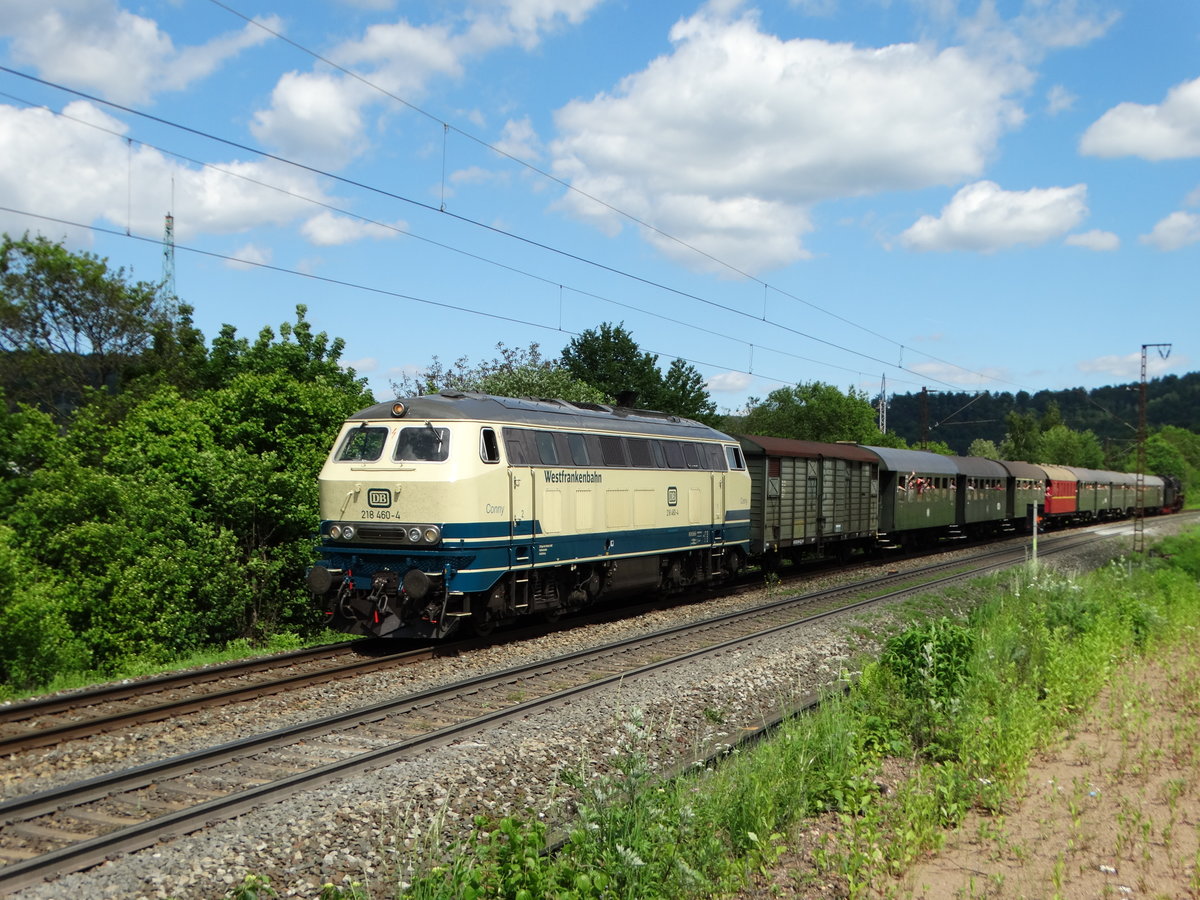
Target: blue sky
<point x="969" y="196"/>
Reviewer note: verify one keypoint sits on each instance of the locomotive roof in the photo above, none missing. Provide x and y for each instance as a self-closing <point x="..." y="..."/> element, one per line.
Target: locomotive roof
<point x="756" y="445"/>
<point x="463" y="406"/>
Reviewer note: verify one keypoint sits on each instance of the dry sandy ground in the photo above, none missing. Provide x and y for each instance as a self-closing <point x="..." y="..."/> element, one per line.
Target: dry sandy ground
<point x="1112" y="811"/>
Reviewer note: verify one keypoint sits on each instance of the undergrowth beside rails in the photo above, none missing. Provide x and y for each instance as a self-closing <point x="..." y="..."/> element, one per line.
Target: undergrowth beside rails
<point x="959" y="706"/>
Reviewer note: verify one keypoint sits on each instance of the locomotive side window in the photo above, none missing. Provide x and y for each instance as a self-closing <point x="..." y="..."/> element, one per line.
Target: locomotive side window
<point x="660" y="458"/>
<point x="674" y="454"/>
<point x="423" y="444"/>
<point x="363" y="444"/>
<point x="579" y="453"/>
<point x="690" y="456"/>
<point x="489" y="447"/>
<point x="545" y="446"/>
<point x="614" y="451"/>
<point x="639" y="453"/>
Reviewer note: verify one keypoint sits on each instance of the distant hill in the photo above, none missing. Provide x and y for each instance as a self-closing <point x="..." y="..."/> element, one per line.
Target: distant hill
<point x="1110" y="412"/>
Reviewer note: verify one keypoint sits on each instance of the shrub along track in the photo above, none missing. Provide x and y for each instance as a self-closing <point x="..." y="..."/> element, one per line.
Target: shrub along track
<point x="77" y="826"/>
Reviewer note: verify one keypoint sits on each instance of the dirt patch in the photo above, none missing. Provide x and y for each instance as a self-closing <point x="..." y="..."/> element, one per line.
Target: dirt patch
<point x="1113" y="810"/>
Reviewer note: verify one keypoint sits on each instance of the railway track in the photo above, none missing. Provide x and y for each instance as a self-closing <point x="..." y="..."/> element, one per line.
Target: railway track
<point x="79" y="825"/>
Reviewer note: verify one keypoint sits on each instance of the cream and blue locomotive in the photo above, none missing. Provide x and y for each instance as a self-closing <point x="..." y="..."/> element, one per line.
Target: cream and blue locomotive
<point x="461" y="510"/>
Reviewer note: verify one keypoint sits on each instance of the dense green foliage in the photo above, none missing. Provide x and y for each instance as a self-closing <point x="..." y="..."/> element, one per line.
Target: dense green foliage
<point x="814" y="411"/>
<point x="175" y="514"/>
<point x="1109" y="413"/>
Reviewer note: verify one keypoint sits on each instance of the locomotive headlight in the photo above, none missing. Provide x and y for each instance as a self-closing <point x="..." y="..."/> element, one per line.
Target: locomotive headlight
<point x="335" y="531"/>
<point x="414" y="535"/>
<point x="347" y="532"/>
<point x="432" y="534"/>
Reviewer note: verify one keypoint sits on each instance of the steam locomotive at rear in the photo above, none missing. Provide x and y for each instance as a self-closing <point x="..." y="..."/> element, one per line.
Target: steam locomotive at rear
<point x="455" y="511"/>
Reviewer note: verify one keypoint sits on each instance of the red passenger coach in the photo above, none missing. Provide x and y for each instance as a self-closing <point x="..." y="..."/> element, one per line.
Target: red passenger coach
<point x="1062" y="493"/>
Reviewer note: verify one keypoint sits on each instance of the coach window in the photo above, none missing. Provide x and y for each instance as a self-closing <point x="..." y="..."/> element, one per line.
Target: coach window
<point x="362" y="444"/>
<point x="734" y="456"/>
<point x="489" y="447"/>
<point x="545" y="447"/>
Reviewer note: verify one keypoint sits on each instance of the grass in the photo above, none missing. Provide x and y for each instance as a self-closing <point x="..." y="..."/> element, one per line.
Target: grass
<point x="961" y="703"/>
<point x="236" y="650"/>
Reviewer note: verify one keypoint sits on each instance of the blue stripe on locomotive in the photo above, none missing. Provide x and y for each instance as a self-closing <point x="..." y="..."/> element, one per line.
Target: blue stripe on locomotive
<point x="476" y="555"/>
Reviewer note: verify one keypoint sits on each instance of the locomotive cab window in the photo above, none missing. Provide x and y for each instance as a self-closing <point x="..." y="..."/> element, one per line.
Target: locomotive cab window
<point x="362" y="444"/>
<point x="489" y="447"/>
<point x="423" y="444"/>
<point x="734" y="455"/>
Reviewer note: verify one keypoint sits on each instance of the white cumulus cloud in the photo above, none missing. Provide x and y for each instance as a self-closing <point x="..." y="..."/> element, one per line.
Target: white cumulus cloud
<point x="1094" y="240"/>
<point x="983" y="217"/>
<point x="1169" y="130"/>
<point x="99" y="46"/>
<point x="1175" y="231"/>
<point x="729" y="140"/>
<point x="326" y="229"/>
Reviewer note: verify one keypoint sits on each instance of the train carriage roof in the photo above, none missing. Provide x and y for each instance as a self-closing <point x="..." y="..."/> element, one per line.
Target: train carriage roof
<point x="760" y="445"/>
<point x="914" y="461"/>
<point x="1101" y="477"/>
<point x="462" y="406"/>
<point x="1018" y="469"/>
<point x="979" y="467"/>
<point x="1059" y="473"/>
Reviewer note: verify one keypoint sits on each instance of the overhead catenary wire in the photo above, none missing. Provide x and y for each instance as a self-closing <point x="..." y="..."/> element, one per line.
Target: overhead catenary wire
<point x="473" y="222"/>
<point x="449" y="248"/>
<point x="398" y="295"/>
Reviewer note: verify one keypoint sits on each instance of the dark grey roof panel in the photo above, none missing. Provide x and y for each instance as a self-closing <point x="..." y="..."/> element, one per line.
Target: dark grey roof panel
<point x="756" y="445"/>
<point x="915" y="461"/>
<point x="980" y="467"/>
<point x="1023" y="469"/>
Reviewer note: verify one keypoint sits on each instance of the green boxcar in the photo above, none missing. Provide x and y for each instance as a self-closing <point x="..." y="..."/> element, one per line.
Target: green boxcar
<point x="810" y="498"/>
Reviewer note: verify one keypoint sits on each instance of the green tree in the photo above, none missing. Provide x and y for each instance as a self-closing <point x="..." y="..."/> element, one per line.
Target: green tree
<point x="684" y="392"/>
<point x="1062" y="446"/>
<point x="1021" y="438"/>
<point x="514" y="373"/>
<point x="68" y="323"/>
<point x="172" y="519"/>
<point x="609" y="359"/>
<point x="984" y="448"/>
<point x="814" y="411"/>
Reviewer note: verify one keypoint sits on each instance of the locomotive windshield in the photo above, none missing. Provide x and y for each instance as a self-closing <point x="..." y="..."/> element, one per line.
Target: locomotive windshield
<point x="423" y="444"/>
<point x="362" y="444"/>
